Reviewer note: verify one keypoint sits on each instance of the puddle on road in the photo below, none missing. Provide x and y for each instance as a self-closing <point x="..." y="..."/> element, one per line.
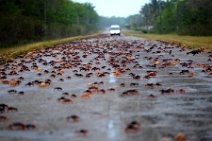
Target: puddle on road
<point x="112" y="78"/>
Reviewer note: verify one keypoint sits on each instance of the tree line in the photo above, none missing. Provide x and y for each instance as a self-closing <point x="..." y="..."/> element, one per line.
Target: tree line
<point x="185" y="17"/>
<point x="31" y="20"/>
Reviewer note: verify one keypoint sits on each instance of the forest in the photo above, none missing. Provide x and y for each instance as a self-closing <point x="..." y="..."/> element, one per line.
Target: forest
<point x="34" y="20"/>
<point x="184" y="17"/>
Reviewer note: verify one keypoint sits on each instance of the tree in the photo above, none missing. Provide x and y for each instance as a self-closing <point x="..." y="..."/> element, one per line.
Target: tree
<point x="30" y="20"/>
<point x="188" y="17"/>
<point x="166" y="21"/>
<point x="196" y="17"/>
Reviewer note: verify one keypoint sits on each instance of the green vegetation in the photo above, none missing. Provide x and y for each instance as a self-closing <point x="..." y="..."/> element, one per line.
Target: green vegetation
<point x="9" y="54"/>
<point x="204" y="42"/>
<point x="184" y="22"/>
<point x="24" y="21"/>
<point x="184" y="17"/>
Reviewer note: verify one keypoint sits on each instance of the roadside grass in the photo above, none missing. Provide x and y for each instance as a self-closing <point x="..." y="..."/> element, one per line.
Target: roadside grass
<point x="10" y="53"/>
<point x="204" y="42"/>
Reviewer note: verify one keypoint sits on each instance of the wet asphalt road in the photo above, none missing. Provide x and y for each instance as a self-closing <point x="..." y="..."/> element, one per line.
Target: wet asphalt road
<point x="107" y="89"/>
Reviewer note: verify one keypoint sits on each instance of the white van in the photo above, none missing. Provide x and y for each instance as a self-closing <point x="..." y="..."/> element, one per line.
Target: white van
<point x="115" y="30"/>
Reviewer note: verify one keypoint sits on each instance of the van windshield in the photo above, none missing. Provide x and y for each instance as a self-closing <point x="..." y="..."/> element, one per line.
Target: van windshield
<point x="114" y="28"/>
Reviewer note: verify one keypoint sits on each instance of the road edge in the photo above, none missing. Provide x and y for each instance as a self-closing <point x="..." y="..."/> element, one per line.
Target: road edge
<point x="173" y="41"/>
<point x="9" y="54"/>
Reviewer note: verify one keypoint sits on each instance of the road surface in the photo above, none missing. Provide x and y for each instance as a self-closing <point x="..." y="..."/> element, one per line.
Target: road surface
<point x="107" y="89"/>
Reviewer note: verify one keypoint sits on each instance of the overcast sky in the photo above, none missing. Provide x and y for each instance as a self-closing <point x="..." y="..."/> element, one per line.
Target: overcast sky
<point x="118" y="8"/>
